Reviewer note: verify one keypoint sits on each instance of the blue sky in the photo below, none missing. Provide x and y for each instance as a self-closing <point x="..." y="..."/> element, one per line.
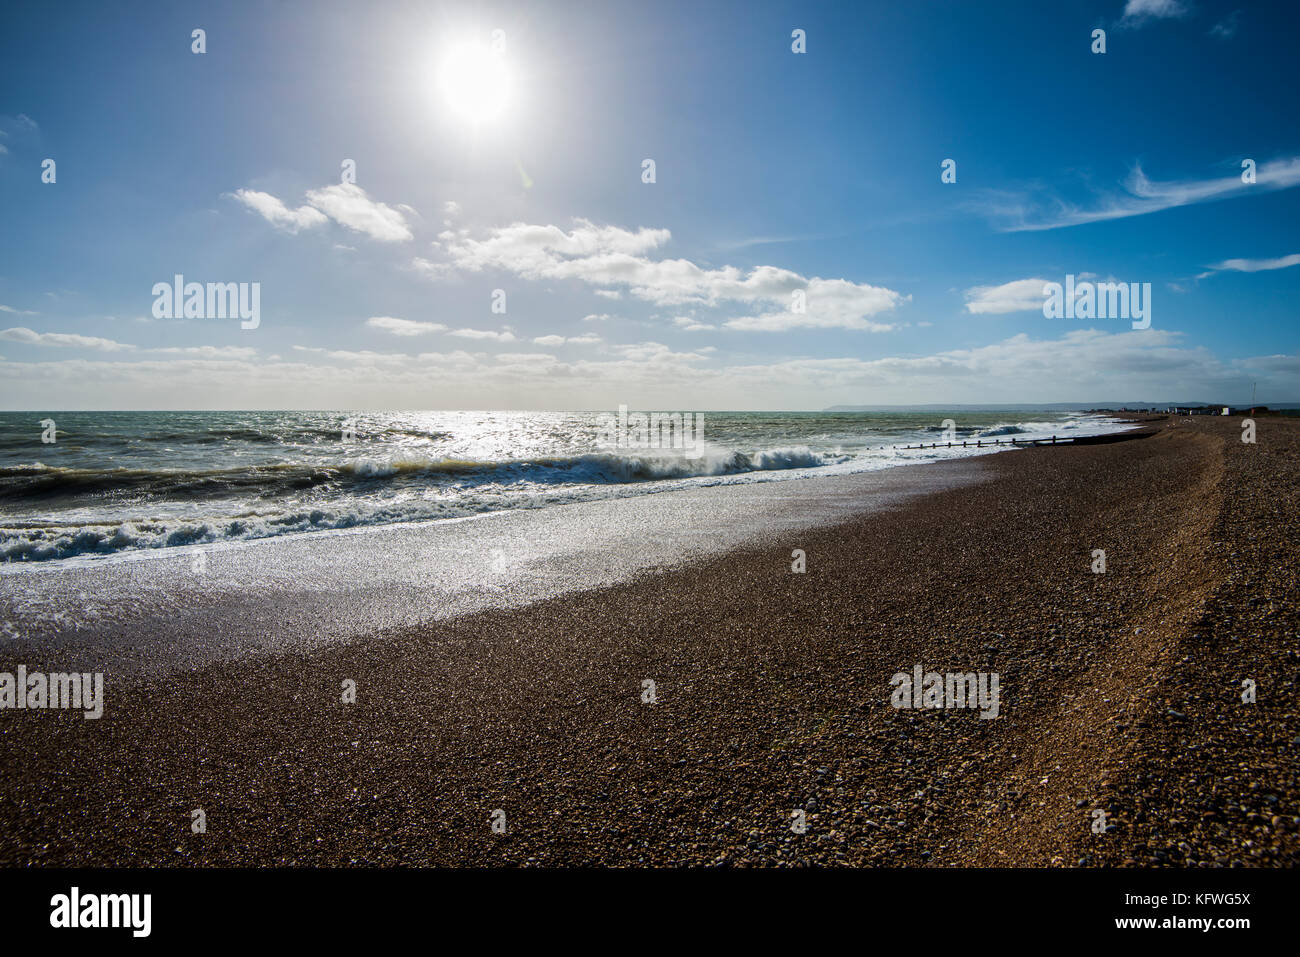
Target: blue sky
<point x="775" y="172"/>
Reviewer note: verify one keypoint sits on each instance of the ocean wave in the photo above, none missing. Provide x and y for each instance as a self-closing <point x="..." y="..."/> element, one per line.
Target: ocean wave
<point x="47" y="544"/>
<point x="157" y="498"/>
<point x="37" y="481"/>
<point x="457" y="478"/>
<point x="608" y="467"/>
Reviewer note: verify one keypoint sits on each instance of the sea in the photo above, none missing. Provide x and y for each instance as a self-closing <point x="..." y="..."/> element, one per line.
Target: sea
<point x="83" y="484"/>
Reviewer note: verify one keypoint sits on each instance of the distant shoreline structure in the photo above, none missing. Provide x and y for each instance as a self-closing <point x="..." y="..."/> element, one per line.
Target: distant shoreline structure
<point x="1104" y="408"/>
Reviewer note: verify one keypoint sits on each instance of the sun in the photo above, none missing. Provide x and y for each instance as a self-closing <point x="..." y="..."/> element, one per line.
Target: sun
<point x="474" y="81"/>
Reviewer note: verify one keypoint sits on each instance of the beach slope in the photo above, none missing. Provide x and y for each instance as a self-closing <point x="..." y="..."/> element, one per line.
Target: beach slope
<point x="1120" y="692"/>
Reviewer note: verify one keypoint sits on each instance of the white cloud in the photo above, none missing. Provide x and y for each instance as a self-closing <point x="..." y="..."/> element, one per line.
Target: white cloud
<point x="348" y="204"/>
<point x="1081" y="365"/>
<point x="525" y="358"/>
<point x="589" y="339"/>
<point x="62" y="340"/>
<point x="431" y="270"/>
<point x="210" y="352"/>
<point x="345" y="203"/>
<point x="1020" y="295"/>
<point x="1017" y="212"/>
<point x="829" y="304"/>
<point x="20" y="130"/>
<point x="348" y="355"/>
<point x="1139" y="11"/>
<point x="1226" y="28"/>
<point x="506" y="336"/>
<point x="611" y="256"/>
<point x="656" y="352"/>
<point x="277" y="214"/>
<point x="598" y="317"/>
<point x="19" y="312"/>
<point x="1253" y="265"/>
<point x="608" y="293"/>
<point x="459" y="359"/>
<point x="690" y="325"/>
<point x="404" y="327"/>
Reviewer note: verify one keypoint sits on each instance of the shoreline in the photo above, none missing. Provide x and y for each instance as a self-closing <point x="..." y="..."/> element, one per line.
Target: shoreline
<point x="339" y="586"/>
<point x="69" y="531"/>
<point x="1118" y="694"/>
<point x="71" y="514"/>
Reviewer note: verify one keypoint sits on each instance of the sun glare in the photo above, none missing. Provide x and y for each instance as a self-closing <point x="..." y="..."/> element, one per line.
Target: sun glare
<point x="474" y="82"/>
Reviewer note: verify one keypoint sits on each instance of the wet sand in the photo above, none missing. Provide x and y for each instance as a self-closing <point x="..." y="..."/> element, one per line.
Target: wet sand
<point x="1120" y="692"/>
<point x="161" y="610"/>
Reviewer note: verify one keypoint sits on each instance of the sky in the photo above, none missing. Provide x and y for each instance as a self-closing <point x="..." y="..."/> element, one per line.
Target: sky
<point x="449" y="206"/>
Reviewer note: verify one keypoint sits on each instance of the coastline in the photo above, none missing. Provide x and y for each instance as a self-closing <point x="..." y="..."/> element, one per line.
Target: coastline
<point x="1119" y="693"/>
<point x="159" y="611"/>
